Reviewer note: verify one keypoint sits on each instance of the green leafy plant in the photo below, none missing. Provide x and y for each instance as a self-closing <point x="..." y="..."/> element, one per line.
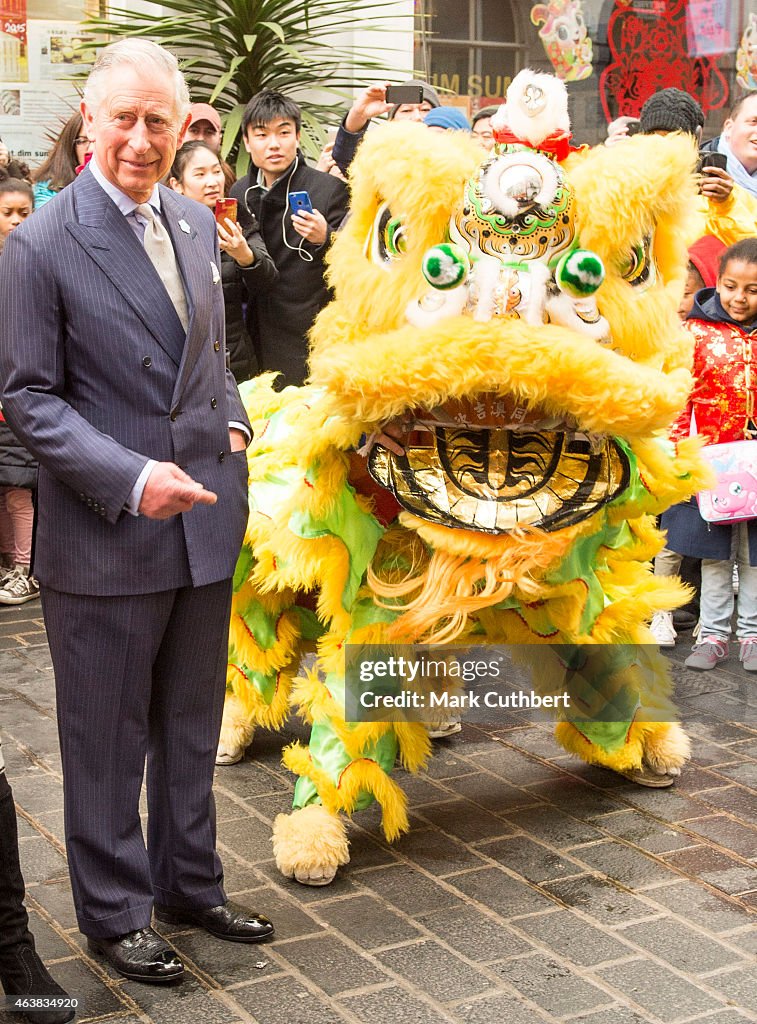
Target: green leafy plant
<point x="231" y="49"/>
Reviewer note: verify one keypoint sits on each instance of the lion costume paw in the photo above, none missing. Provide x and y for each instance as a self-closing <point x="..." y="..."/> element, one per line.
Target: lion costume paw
<point x="310" y="844"/>
<point x="667" y="750"/>
<point x="236" y="732"/>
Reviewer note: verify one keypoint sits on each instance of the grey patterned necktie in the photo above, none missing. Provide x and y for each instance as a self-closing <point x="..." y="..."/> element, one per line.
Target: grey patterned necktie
<point x="157" y="243"/>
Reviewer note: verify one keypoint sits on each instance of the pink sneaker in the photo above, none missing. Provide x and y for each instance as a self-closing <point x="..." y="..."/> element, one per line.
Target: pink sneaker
<point x="708" y="653"/>
<point x="748" y="653"/>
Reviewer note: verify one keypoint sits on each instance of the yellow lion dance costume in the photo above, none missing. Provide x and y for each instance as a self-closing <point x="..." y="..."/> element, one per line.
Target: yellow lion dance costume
<point x="516" y="315"/>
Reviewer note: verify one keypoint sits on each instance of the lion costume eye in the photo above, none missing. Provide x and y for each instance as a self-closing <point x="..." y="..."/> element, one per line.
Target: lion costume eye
<point x="387" y="240"/>
<point x="638" y="267"/>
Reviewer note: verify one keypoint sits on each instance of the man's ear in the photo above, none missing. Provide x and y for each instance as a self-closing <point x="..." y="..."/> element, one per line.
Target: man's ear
<point x="183" y="131"/>
<point x="246" y="144"/>
<point x="727" y="125"/>
<point x="87" y="121"/>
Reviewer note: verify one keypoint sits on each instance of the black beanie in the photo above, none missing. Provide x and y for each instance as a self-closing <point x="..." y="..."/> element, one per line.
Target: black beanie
<point x="671" y="110"/>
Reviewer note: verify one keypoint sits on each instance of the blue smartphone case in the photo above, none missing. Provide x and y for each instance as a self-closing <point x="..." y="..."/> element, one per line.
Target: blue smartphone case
<point x="299" y="202"/>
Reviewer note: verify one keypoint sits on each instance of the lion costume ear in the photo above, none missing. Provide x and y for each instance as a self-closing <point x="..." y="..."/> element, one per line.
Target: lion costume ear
<point x="636" y="207"/>
<point x="633" y="190"/>
<point x="406" y="180"/>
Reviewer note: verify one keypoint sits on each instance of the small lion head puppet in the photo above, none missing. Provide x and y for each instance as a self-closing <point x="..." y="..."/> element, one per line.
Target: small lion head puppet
<point x="511" y="318"/>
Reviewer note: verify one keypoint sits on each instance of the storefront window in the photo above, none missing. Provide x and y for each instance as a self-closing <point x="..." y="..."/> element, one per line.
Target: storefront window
<point x="468" y="48"/>
<point x="612" y="54"/>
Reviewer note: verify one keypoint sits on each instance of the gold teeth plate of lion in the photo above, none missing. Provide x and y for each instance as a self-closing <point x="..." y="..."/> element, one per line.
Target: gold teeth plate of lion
<point x="496" y="480"/>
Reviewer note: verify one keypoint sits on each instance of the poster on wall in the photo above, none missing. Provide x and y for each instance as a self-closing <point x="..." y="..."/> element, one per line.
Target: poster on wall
<point x="708" y="30"/>
<point x="34" y="109"/>
<point x="565" y="38"/>
<point x="13" y="59"/>
<point x="746" y="58"/>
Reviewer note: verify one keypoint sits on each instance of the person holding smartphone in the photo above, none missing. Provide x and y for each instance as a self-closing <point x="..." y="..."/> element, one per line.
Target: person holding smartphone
<point x="409" y="101"/>
<point x="246" y="266"/>
<point x="723" y="210"/>
<point x="298" y="208"/>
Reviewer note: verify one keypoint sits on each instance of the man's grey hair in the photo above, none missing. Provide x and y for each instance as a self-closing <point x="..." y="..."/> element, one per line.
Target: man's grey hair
<point x="142" y="54"/>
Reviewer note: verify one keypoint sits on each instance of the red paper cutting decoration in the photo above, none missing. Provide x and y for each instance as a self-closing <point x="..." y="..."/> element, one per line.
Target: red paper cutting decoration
<point x="648" y="52"/>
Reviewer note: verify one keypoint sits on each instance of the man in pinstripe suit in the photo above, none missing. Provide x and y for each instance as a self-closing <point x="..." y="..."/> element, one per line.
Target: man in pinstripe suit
<point x="112" y="364"/>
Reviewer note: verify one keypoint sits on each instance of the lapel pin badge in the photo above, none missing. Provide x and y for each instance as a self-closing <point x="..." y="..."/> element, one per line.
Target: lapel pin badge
<point x="214" y="271"/>
<point x="185" y="227"/>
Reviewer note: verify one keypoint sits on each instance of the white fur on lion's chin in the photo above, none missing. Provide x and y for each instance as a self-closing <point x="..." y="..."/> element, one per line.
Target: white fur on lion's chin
<point x="513" y="114"/>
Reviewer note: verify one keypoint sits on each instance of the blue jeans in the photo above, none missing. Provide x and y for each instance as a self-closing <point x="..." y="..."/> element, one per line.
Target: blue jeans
<point x="716" y="602"/>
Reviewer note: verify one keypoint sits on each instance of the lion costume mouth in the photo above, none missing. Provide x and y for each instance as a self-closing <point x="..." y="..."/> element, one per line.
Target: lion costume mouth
<point x="497" y="480"/>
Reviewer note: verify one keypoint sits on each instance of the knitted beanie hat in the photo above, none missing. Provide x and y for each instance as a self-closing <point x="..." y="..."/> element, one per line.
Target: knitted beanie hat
<point x="671" y="110"/>
<point x="447" y="117"/>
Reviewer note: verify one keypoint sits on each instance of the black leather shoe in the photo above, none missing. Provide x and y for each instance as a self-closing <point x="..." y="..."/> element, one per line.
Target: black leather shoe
<point x="142" y="955"/>
<point x="229" y="921"/>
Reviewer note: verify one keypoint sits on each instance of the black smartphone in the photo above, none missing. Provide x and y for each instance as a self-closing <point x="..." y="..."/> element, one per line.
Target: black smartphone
<point x="633" y="127"/>
<point x="710" y="159"/>
<point x="401" y="94"/>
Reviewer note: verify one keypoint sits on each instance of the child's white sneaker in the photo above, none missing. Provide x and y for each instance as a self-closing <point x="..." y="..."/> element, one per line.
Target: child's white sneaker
<point x="708" y="653"/>
<point x="748" y="653"/>
<point x="663" y="629"/>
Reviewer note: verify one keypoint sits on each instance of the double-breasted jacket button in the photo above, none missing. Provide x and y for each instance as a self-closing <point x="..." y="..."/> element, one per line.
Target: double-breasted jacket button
<point x="217" y="346"/>
<point x="213" y="403"/>
<point x="147" y="362"/>
<point x="174" y="413"/>
<point x="221" y="456"/>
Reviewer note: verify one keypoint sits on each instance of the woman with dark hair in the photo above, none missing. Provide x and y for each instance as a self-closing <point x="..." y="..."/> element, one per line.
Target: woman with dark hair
<point x="245" y="264"/>
<point x="59" y="169"/>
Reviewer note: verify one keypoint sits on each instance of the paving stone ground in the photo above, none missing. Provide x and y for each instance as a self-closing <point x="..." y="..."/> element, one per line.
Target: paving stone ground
<point x="531" y="889"/>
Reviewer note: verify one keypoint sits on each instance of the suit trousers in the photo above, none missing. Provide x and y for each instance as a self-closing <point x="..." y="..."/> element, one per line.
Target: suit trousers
<point x="139" y="679"/>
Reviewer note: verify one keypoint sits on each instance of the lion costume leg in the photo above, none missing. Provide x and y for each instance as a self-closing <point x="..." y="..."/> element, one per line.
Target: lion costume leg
<point x="264" y="643"/>
<point x="346" y="765"/>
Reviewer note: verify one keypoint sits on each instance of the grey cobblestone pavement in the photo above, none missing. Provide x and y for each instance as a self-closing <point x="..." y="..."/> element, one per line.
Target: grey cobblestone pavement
<point x="531" y="889"/>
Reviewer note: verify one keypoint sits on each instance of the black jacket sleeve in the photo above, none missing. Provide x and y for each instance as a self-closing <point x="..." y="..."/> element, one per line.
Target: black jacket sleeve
<point x="345" y="146"/>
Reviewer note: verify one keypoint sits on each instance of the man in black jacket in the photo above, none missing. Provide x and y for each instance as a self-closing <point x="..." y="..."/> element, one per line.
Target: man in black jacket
<point x="280" y="319"/>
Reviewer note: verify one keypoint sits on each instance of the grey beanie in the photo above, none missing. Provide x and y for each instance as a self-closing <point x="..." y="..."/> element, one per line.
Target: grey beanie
<point x="429" y="95"/>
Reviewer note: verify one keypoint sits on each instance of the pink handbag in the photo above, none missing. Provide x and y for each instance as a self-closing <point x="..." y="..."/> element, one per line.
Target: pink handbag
<point x="734" y="497"/>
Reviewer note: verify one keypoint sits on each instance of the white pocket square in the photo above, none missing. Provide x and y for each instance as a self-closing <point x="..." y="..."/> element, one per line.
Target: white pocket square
<point x="214" y="271"/>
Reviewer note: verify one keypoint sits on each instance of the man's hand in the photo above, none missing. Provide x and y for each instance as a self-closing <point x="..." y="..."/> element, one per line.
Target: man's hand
<point x="237" y="440"/>
<point x="312" y="226"/>
<point x="717" y="185"/>
<point x="617" y="130"/>
<point x="169" y="491"/>
<point x="394" y="435"/>
<point x="370" y="103"/>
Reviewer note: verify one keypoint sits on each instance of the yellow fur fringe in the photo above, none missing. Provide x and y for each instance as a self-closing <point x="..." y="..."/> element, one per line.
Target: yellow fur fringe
<point x="358" y="777"/>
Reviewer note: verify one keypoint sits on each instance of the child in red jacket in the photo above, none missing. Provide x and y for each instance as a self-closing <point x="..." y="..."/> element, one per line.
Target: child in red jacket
<point x="721" y="407"/>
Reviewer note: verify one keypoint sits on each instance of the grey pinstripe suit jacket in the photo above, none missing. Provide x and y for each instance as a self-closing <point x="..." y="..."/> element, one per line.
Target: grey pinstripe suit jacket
<point x="97" y="376"/>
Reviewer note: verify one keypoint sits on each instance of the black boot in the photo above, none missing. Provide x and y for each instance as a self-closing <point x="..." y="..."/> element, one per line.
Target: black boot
<point x="22" y="973"/>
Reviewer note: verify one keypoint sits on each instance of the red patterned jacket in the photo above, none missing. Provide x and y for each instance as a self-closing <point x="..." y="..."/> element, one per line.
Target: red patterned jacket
<point x="724" y="397"/>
